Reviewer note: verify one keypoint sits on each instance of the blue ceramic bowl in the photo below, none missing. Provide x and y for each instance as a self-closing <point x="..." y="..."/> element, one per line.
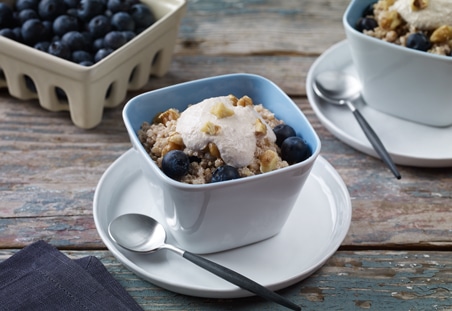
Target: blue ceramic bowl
<point x="214" y="217"/>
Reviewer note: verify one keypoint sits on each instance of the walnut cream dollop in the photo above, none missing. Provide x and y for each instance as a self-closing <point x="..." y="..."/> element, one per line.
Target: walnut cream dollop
<point x="424" y="25"/>
<point x="219" y="139"/>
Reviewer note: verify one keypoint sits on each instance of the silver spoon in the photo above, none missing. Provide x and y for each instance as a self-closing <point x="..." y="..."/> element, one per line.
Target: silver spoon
<point x="341" y="89"/>
<point x="143" y="234"/>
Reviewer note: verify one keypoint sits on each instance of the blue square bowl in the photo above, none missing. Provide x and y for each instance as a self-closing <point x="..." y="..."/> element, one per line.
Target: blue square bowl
<point x="215" y="217"/>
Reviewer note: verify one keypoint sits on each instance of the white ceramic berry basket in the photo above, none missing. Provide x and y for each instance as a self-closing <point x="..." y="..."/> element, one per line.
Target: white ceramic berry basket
<point x="90" y="89"/>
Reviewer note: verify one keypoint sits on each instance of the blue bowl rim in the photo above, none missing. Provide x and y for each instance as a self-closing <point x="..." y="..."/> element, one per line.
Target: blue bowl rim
<point x="236" y="182"/>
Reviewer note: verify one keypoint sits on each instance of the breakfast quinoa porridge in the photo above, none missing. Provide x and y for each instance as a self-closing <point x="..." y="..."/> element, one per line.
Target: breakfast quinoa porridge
<point x="424" y="25"/>
<point x="222" y="136"/>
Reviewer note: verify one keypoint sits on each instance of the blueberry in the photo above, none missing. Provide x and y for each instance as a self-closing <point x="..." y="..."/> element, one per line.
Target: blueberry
<point x="87" y="9"/>
<point x="115" y="39"/>
<point x="88" y="40"/>
<point x="99" y="26"/>
<point x="73" y="12"/>
<point x="225" y="172"/>
<point x="74" y="40"/>
<point x="81" y="56"/>
<point x="8" y="33"/>
<point x="129" y="35"/>
<point x="118" y="5"/>
<point x="366" y="23"/>
<point x="18" y="33"/>
<point x="98" y="44"/>
<point x="27" y="4"/>
<point x="65" y="23"/>
<point x="282" y="131"/>
<point x="86" y="63"/>
<point x="418" y="41"/>
<point x="175" y="164"/>
<point x="33" y="31"/>
<point x="142" y="15"/>
<point x="6" y="16"/>
<point x="71" y="4"/>
<point x="26" y="14"/>
<point x="51" y="9"/>
<point x="42" y="46"/>
<point x="59" y="49"/>
<point x="101" y="54"/>
<point x="48" y="28"/>
<point x="122" y="21"/>
<point x="294" y="150"/>
<point x="369" y="10"/>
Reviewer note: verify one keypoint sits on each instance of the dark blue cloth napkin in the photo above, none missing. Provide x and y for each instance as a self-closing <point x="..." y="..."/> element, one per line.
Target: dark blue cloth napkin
<point x="40" y="277"/>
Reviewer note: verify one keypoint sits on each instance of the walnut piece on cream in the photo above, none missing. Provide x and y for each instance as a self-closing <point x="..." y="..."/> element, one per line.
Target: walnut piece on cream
<point x="260" y="127"/>
<point x="417" y="5"/>
<point x="211" y="128"/>
<point x="213" y="150"/>
<point x="221" y="111"/>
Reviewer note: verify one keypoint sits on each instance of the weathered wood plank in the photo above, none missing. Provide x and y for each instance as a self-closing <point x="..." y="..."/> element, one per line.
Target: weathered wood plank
<point x="348" y="281"/>
<point x="288" y="72"/>
<point x="68" y="231"/>
<point x="261" y="27"/>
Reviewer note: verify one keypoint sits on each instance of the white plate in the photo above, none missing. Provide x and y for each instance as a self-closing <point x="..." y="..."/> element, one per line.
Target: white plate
<point x="314" y="231"/>
<point x="407" y="142"/>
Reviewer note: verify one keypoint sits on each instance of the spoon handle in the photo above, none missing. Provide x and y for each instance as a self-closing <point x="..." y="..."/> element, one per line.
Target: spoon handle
<point x="376" y="143"/>
<point x="239" y="280"/>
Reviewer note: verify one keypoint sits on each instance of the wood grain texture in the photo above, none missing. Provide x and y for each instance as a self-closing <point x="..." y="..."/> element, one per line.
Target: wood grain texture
<point x="364" y="280"/>
<point x="397" y="253"/>
<point x="49" y="171"/>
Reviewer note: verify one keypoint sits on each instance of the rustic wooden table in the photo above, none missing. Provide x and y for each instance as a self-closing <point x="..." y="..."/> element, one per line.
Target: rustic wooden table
<point x="398" y="252"/>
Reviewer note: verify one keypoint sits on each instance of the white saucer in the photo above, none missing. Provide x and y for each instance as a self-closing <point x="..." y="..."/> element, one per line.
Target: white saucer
<point x="316" y="228"/>
<point x="408" y="143"/>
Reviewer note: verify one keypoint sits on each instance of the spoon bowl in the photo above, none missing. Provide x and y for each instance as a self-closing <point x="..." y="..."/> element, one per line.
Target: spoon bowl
<point x="342" y="88"/>
<point x="336" y="87"/>
<point x="143" y="234"/>
<point x="147" y="236"/>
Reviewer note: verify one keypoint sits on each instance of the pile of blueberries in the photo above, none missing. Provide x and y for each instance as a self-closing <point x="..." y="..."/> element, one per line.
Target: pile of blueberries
<point x="418" y="41"/>
<point x="81" y="31"/>
<point x="294" y="149"/>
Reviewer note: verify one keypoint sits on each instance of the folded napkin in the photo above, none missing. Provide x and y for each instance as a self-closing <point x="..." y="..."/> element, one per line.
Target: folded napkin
<point x="39" y="277"/>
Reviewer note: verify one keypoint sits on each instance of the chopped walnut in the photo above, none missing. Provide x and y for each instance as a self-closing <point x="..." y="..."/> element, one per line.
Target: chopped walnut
<point x="245" y="101"/>
<point x="171" y="146"/>
<point x="260" y="127"/>
<point x="389" y="20"/>
<point x="391" y="36"/>
<point x="269" y="161"/>
<point x="169" y="115"/>
<point x="210" y="128"/>
<point x="213" y="150"/>
<point x="221" y="111"/>
<point x="441" y="34"/>
<point x="233" y="99"/>
<point x="417" y="5"/>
